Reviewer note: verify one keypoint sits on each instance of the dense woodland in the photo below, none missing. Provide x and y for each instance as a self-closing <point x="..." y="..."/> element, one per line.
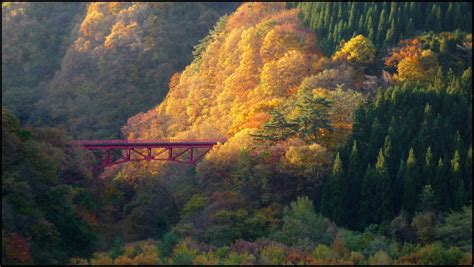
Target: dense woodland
<point x="348" y="127"/>
<point x="384" y="23"/>
<point x="112" y="62"/>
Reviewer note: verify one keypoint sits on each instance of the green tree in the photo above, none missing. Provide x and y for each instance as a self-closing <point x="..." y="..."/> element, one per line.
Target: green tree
<point x="338" y="194"/>
<point x="355" y="175"/>
<point x="313" y="117"/>
<point x="456" y="183"/>
<point x="193" y="206"/>
<point x="276" y="129"/>
<point x="398" y="186"/>
<point x="301" y="222"/>
<point x="368" y="191"/>
<point x="245" y="178"/>
<point x="428" y="168"/>
<point x="411" y="183"/>
<point x="383" y="190"/>
<point x="441" y="185"/>
<point x="427" y="199"/>
<point x="468" y="172"/>
<point x="381" y="28"/>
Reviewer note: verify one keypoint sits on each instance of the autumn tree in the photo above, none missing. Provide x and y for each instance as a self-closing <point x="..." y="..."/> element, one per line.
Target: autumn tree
<point x="357" y="50"/>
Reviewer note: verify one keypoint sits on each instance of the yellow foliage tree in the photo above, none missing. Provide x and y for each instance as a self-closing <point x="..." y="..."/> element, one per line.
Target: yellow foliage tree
<point x="358" y="50"/>
<point x="420" y="67"/>
<point x="306" y="159"/>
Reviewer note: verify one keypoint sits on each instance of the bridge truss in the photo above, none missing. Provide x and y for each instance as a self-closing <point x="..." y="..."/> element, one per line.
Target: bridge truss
<point x="113" y="152"/>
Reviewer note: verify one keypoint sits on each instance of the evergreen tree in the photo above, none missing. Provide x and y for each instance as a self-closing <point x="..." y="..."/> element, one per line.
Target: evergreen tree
<point x="456" y="183"/>
<point x="468" y="173"/>
<point x="428" y="168"/>
<point x="388" y="154"/>
<point x="429" y="19"/>
<point x="393" y="11"/>
<point x="277" y="128"/>
<point x="411" y="183"/>
<point x="438" y="133"/>
<point x="398" y="188"/>
<point x="449" y="14"/>
<point x="437" y="18"/>
<point x="244" y="178"/>
<point x="466" y="81"/>
<point x="352" y="17"/>
<point x="360" y="25"/>
<point x="367" y="203"/>
<point x="381" y="29"/>
<point x="370" y="28"/>
<point x="361" y="130"/>
<point x="376" y="140"/>
<point x="390" y="35"/>
<point x="383" y="190"/>
<point x="424" y="135"/>
<point x="410" y="27"/>
<point x="459" y="144"/>
<point x="326" y="198"/>
<point x="441" y="185"/>
<point x="427" y="199"/>
<point x="314" y="116"/>
<point x="338" y="193"/>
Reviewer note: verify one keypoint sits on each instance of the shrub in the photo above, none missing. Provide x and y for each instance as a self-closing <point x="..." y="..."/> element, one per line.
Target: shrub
<point x="300" y="221"/>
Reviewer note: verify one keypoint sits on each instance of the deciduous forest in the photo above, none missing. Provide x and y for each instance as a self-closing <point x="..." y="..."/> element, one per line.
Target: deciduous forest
<point x="347" y="131"/>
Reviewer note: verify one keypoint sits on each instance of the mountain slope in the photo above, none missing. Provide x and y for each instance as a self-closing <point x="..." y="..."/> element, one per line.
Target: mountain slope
<point x="254" y="60"/>
<point x="32" y="48"/>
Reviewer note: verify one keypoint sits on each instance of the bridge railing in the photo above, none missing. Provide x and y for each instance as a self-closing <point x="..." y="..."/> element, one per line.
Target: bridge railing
<point x="160" y="141"/>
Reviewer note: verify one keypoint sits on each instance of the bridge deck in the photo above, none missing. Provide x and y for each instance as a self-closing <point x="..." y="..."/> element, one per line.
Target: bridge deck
<point x="146" y="143"/>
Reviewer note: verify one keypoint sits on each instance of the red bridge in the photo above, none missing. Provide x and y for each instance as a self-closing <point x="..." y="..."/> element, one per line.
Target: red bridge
<point x="123" y="151"/>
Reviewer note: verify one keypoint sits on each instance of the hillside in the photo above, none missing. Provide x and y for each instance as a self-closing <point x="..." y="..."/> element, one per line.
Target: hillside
<point x="255" y="60"/>
<point x="48" y="196"/>
<point x="116" y="60"/>
<point x="32" y="49"/>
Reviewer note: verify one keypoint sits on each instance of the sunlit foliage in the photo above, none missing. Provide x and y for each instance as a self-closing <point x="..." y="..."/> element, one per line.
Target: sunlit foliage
<point x="252" y="68"/>
<point x="358" y="50"/>
<point x="119" y="62"/>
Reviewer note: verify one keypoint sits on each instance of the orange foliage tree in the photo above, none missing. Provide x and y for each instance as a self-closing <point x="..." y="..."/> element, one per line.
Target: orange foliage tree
<point x="412" y="62"/>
